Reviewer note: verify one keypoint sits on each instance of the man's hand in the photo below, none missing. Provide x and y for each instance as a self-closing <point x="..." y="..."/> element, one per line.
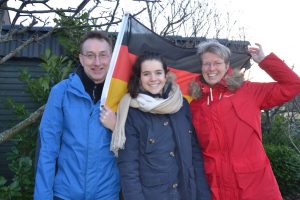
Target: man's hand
<point x="107" y="117"/>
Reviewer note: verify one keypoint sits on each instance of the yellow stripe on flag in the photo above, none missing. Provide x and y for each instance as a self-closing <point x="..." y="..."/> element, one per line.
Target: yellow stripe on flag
<point x="117" y="89"/>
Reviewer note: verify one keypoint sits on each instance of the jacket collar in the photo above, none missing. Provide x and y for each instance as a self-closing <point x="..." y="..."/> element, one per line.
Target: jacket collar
<point x="94" y="90"/>
<point x="215" y="92"/>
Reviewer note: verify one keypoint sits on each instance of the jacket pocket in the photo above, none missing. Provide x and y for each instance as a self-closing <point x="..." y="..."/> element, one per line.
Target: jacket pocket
<point x="150" y="179"/>
<point x="155" y="186"/>
<point x="60" y="185"/>
<point x="249" y="174"/>
<point x="248" y="167"/>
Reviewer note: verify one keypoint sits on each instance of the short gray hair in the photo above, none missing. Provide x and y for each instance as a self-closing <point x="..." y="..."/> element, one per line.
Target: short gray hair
<point x="215" y="47"/>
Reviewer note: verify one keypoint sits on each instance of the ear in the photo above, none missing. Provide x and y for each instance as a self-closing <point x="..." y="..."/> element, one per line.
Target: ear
<point x="229" y="70"/>
<point x="227" y="67"/>
<point x="81" y="59"/>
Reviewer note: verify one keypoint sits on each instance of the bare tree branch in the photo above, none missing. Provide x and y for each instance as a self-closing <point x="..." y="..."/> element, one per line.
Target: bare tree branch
<point x="3" y="6"/>
<point x="113" y="14"/>
<point x="35" y="38"/>
<point x="80" y="7"/>
<point x="149" y="11"/>
<point x="293" y="110"/>
<point x="51" y="10"/>
<point x="7" y="134"/>
<point x="25" y="44"/>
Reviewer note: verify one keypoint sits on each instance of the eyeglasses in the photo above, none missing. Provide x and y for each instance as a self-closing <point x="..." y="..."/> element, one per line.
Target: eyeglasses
<point x="214" y="64"/>
<point x="92" y="56"/>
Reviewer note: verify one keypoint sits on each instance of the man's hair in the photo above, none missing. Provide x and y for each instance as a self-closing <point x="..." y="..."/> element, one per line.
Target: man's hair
<point x="95" y="35"/>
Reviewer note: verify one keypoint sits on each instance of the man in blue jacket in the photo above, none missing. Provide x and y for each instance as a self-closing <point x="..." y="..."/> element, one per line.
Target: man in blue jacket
<point x="75" y="161"/>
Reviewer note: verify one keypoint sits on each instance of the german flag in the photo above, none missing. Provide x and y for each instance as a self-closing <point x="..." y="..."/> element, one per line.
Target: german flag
<point x="135" y="39"/>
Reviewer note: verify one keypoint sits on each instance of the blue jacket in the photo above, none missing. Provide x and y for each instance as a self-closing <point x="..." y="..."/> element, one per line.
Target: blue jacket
<point x="71" y="134"/>
<point x="161" y="158"/>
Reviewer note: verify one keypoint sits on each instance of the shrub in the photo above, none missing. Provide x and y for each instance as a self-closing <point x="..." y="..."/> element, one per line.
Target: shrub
<point x="285" y="164"/>
<point x="22" y="155"/>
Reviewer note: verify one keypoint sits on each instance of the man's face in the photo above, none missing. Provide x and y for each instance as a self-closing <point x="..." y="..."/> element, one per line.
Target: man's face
<point x="95" y="58"/>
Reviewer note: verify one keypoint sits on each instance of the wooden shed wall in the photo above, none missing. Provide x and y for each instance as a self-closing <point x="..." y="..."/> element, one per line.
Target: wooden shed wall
<point x="12" y="87"/>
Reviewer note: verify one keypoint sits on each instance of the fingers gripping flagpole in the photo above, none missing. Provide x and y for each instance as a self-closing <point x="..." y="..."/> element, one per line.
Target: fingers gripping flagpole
<point x="114" y="59"/>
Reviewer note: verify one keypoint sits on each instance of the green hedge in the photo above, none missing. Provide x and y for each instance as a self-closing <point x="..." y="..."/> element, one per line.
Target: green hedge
<point x="286" y="166"/>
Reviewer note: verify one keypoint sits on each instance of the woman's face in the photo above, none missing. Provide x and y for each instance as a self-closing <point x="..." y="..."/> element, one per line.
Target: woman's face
<point x="213" y="68"/>
<point x="153" y="77"/>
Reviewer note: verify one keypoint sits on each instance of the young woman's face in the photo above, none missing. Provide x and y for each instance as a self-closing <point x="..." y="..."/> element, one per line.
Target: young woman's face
<point x="213" y="68"/>
<point x="153" y="77"/>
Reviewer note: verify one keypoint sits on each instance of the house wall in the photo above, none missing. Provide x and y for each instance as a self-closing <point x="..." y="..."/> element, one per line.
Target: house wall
<point x="12" y="87"/>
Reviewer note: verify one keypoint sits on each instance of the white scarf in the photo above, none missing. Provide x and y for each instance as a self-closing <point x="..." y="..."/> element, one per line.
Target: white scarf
<point x="145" y="103"/>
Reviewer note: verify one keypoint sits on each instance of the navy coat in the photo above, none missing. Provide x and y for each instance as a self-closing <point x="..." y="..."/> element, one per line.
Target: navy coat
<point x="161" y="158"/>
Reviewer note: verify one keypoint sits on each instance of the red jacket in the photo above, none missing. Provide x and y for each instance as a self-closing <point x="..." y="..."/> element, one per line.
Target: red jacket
<point x="228" y="127"/>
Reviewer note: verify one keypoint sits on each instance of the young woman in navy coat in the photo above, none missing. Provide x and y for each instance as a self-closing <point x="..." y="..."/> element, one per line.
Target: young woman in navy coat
<point x="158" y="156"/>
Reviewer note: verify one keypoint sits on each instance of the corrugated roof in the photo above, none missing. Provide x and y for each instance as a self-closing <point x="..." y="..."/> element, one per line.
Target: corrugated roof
<point x="34" y="50"/>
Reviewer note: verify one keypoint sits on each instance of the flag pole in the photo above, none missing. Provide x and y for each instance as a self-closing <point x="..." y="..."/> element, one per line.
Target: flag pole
<point x="114" y="59"/>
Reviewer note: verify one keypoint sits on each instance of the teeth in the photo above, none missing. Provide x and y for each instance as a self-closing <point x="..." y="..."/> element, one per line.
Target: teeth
<point x="211" y="75"/>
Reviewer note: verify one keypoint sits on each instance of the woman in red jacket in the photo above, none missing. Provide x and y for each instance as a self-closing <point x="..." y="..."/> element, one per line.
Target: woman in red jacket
<point x="226" y="114"/>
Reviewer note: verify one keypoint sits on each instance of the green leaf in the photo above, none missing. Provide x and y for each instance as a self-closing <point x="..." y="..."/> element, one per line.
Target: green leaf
<point x="2" y="181"/>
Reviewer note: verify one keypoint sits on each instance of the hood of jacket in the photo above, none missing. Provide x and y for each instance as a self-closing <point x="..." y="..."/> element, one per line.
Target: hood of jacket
<point x="232" y="80"/>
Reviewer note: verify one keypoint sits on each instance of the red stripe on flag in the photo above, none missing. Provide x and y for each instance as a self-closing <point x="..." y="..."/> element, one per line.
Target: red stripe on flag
<point x="183" y="78"/>
<point x="126" y="59"/>
<point x="122" y="72"/>
<point x="124" y="64"/>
